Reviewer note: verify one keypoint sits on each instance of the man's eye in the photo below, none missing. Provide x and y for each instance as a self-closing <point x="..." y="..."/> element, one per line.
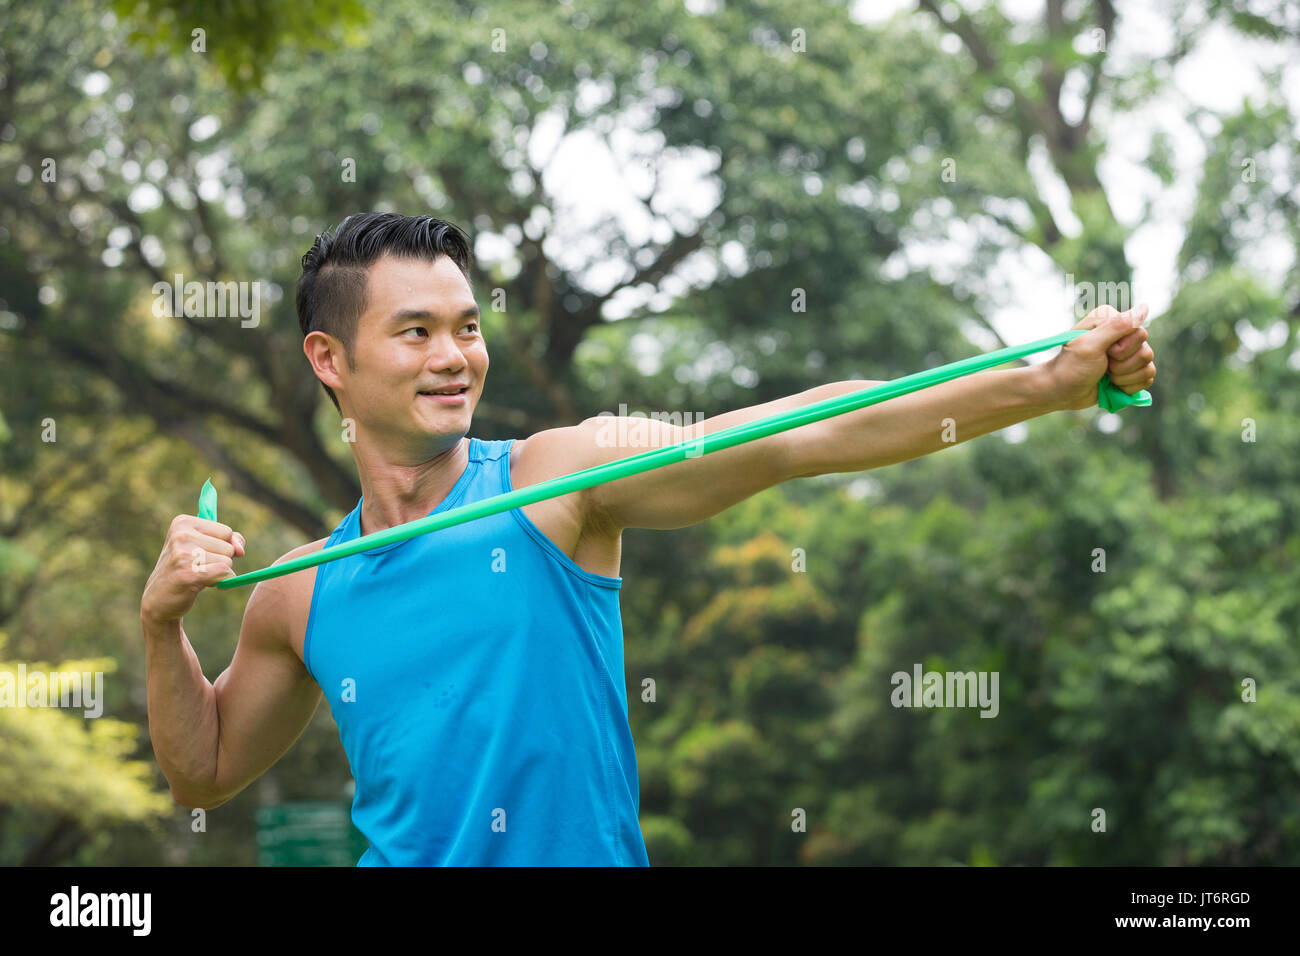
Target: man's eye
<point x="415" y="329"/>
<point x="471" y="325"/>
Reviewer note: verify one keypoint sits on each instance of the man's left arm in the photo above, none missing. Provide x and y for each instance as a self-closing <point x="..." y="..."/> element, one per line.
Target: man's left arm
<point x="893" y="431"/>
<point x="919" y="423"/>
<point x="903" y="428"/>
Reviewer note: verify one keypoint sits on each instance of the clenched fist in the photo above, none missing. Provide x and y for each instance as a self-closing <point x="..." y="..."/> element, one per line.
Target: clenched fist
<point x="1117" y="346"/>
<point x="196" y="554"/>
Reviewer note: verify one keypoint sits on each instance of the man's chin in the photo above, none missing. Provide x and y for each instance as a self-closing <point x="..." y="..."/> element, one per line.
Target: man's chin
<point x="442" y="418"/>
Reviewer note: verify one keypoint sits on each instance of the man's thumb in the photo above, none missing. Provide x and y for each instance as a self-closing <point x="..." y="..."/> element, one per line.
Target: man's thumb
<point x="1113" y="328"/>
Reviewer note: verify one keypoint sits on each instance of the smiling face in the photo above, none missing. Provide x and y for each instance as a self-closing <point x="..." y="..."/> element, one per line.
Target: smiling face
<point x="420" y="333"/>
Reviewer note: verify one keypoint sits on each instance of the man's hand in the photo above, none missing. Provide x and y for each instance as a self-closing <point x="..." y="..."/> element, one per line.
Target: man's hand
<point x="1117" y="347"/>
<point x="196" y="553"/>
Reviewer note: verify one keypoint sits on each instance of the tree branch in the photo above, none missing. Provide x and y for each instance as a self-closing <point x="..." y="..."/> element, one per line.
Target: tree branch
<point x="1106" y="20"/>
<point x="162" y="398"/>
<point x="247" y="483"/>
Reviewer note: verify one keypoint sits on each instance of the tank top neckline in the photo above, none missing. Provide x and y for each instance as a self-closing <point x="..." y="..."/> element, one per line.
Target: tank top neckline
<point x="453" y="497"/>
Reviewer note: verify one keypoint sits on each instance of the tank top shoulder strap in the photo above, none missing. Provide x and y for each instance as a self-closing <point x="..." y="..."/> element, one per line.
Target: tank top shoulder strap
<point x="493" y="458"/>
<point x="487" y="473"/>
<point x="347" y="528"/>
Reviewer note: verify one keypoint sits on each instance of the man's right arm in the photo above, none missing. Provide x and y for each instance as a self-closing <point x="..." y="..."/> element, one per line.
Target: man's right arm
<point x="213" y="739"/>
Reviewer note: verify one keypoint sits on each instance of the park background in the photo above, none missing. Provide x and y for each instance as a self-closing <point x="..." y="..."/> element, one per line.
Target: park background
<point x="650" y="184"/>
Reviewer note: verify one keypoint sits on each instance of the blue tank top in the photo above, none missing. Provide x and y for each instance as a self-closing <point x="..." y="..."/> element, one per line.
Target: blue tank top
<point x="476" y="677"/>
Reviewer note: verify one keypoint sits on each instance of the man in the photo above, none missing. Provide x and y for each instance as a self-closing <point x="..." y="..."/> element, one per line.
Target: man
<point x="476" y="673"/>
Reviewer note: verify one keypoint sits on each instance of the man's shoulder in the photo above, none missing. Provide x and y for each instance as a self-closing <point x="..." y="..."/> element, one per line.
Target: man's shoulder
<point x="298" y="580"/>
<point x="287" y="591"/>
<point x="302" y="549"/>
<point x="553" y="453"/>
<point x="280" y="605"/>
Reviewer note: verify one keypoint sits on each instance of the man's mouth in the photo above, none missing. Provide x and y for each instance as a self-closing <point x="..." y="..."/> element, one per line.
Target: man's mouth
<point x="452" y="395"/>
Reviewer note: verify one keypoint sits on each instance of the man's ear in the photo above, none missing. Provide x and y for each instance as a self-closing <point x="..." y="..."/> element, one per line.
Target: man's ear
<point x="326" y="356"/>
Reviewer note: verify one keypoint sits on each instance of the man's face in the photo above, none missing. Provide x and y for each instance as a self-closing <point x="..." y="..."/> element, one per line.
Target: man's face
<point x="420" y="332"/>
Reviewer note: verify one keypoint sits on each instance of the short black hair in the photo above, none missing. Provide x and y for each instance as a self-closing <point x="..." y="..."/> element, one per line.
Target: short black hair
<point x="331" y="293"/>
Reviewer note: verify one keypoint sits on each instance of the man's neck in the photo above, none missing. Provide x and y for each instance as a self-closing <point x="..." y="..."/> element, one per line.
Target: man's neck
<point x="394" y="492"/>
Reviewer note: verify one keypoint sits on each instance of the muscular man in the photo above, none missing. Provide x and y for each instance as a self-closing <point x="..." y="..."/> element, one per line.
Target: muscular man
<point x="476" y="673"/>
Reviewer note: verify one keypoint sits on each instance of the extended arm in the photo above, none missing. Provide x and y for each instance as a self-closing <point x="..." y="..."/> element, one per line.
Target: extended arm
<point x="913" y="425"/>
<point x="900" y="429"/>
<point x="897" y="430"/>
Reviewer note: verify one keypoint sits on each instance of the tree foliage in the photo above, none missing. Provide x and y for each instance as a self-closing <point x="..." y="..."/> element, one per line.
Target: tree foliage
<point x="832" y="152"/>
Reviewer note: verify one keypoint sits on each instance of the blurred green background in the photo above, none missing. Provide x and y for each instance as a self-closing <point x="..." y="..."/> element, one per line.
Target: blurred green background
<point x="832" y="145"/>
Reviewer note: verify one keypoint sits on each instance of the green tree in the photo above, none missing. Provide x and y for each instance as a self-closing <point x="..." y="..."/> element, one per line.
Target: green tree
<point x="833" y="150"/>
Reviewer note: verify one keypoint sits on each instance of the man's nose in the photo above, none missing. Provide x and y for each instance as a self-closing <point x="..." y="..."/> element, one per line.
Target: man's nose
<point x="445" y="355"/>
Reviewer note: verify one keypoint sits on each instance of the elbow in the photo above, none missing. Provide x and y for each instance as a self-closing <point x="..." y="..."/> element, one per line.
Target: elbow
<point x="197" y="801"/>
<point x="188" y="801"/>
<point x="804" y="455"/>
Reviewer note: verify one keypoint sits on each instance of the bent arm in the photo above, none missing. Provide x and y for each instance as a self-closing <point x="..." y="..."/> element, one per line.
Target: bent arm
<point x="181" y="706"/>
<point x="213" y="739"/>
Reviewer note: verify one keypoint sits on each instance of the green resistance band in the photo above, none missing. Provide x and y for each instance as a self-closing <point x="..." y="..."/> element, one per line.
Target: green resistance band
<point x="208" y="501"/>
<point x="1109" y="397"/>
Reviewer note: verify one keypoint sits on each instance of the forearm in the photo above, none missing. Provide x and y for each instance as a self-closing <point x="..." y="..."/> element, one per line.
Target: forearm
<point x="183" y="724"/>
<point x="919" y="423"/>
